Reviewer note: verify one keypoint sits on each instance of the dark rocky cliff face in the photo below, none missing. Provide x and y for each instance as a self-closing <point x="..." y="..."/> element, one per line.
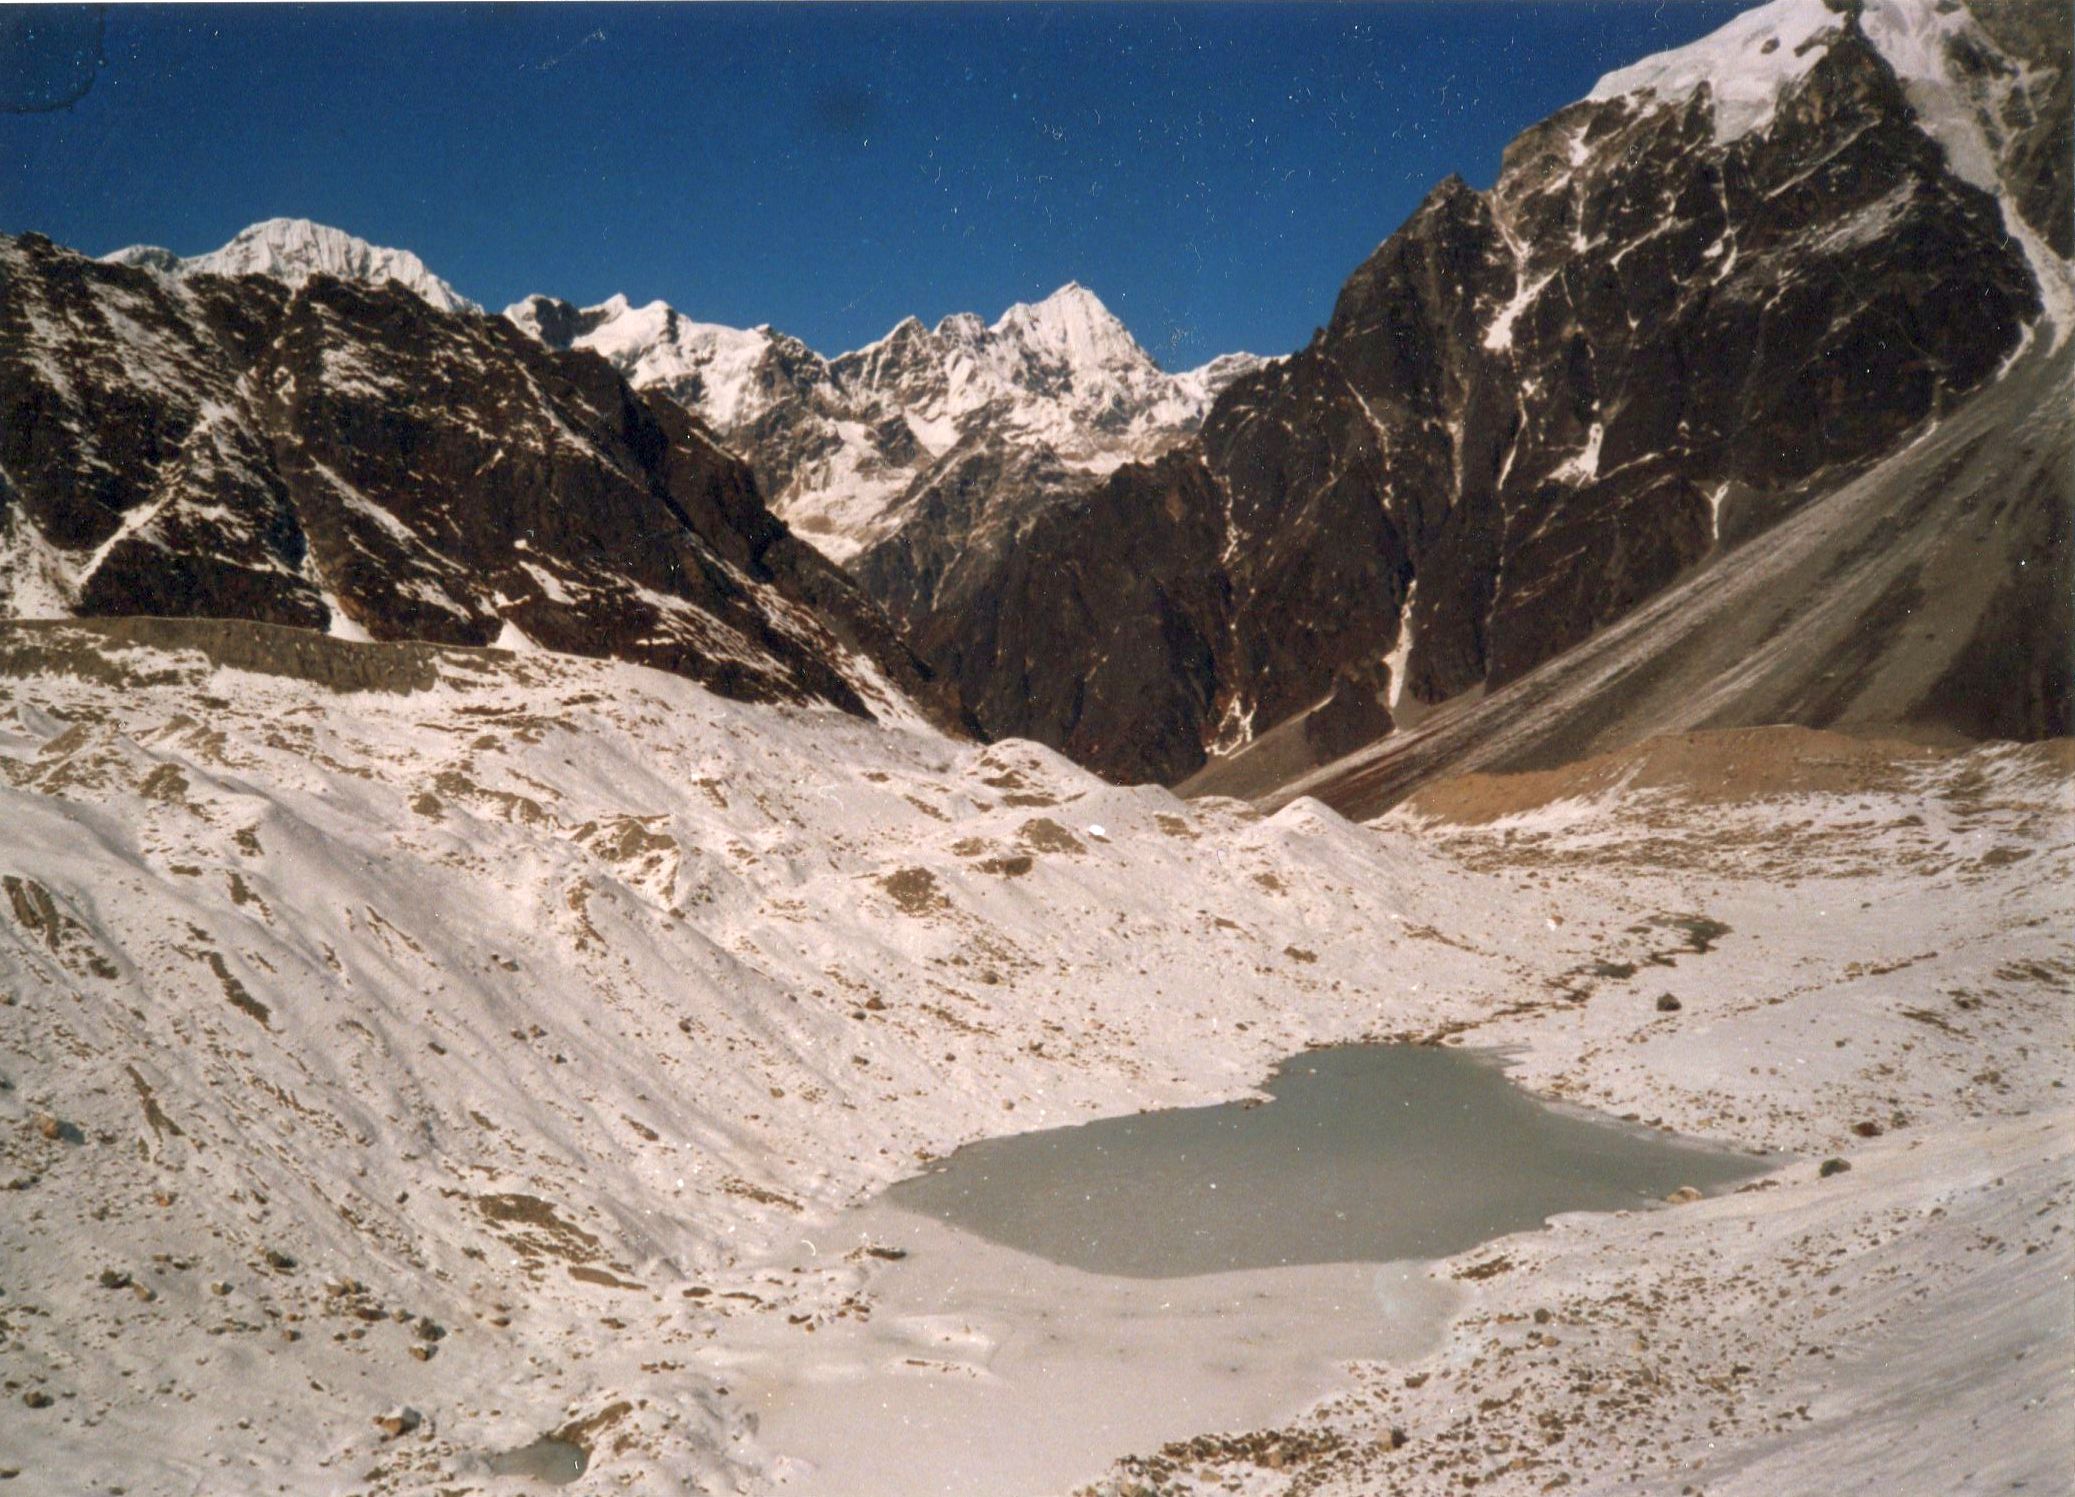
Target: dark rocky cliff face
<point x="1154" y="567"/>
<point x="917" y="460"/>
<point x="1533" y="409"/>
<point x="346" y="456"/>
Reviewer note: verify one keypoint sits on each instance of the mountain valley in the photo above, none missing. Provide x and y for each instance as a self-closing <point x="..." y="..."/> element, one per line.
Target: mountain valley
<point x="518" y="828"/>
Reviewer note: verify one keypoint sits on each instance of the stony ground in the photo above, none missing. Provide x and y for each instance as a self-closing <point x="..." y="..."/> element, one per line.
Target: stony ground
<point x="1883" y="992"/>
<point x="390" y="1078"/>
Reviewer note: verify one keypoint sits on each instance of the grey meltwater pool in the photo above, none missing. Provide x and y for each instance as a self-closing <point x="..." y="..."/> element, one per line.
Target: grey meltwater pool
<point x="1367" y="1153"/>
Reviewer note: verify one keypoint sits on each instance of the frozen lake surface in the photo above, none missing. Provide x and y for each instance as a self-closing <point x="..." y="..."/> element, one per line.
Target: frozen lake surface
<point x="1368" y="1153"/>
<point x="1076" y="1294"/>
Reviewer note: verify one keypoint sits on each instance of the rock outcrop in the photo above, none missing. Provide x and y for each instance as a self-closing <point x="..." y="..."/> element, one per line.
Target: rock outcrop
<point x="346" y="456"/>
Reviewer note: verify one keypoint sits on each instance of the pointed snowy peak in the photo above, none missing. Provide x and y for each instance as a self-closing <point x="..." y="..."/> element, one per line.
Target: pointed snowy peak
<point x="1208" y="381"/>
<point x="838" y="443"/>
<point x="553" y="321"/>
<point x="909" y="333"/>
<point x="1073" y="324"/>
<point x="962" y="327"/>
<point x="292" y="250"/>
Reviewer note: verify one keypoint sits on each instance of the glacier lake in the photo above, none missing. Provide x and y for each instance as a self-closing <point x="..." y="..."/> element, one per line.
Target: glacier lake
<point x="1366" y="1153"/>
<point x="1060" y="1297"/>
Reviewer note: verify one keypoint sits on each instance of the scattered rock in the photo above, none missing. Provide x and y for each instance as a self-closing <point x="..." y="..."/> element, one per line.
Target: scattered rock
<point x="1832" y="1167"/>
<point x="114" y="1278"/>
<point x="36" y="1398"/>
<point x="422" y="1352"/>
<point x="1667" y="1004"/>
<point x="398" y="1421"/>
<point x="1868" y="1129"/>
<point x="276" y="1259"/>
<point x="1683" y="1196"/>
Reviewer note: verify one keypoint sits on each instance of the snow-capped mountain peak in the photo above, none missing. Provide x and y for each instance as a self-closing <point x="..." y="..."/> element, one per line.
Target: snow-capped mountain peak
<point x="1746" y="65"/>
<point x="1074" y="325"/>
<point x="714" y="370"/>
<point x="292" y="250"/>
<point x="1971" y="71"/>
<point x="841" y="444"/>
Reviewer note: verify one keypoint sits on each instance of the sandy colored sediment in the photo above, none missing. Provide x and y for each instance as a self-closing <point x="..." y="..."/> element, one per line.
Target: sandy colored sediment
<point x="1725" y="765"/>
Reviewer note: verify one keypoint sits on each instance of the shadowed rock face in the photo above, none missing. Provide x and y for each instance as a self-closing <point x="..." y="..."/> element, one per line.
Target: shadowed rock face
<point x="2021" y="80"/>
<point x="346" y="456"/>
<point x="1143" y="549"/>
<point x="1540" y="404"/>
<point x="1930" y="596"/>
<point x="963" y="512"/>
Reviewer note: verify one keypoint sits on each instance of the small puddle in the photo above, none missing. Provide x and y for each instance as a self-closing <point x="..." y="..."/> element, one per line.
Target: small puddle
<point x="556" y="1462"/>
<point x="1368" y="1153"/>
<point x="1078" y="1294"/>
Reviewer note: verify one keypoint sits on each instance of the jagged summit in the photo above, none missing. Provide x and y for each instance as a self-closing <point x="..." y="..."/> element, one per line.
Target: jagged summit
<point x="1073" y="323"/>
<point x="847" y="447"/>
<point x="711" y="369"/>
<point x="294" y="249"/>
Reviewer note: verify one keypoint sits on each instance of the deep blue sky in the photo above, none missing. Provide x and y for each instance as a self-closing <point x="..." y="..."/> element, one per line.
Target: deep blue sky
<point x="1212" y="171"/>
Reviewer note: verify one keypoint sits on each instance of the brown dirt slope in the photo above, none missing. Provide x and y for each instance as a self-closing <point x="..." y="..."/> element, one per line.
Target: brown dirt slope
<point x="1725" y="766"/>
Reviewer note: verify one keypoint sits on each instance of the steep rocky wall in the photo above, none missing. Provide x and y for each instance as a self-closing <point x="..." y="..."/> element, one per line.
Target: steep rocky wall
<point x="1533" y="409"/>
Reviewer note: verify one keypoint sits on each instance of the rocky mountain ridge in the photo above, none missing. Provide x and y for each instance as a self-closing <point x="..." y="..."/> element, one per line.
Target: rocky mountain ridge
<point x="1732" y="278"/>
<point x="915" y="460"/>
<point x="920" y="459"/>
<point x="1736" y="274"/>
<point x="345" y="456"/>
